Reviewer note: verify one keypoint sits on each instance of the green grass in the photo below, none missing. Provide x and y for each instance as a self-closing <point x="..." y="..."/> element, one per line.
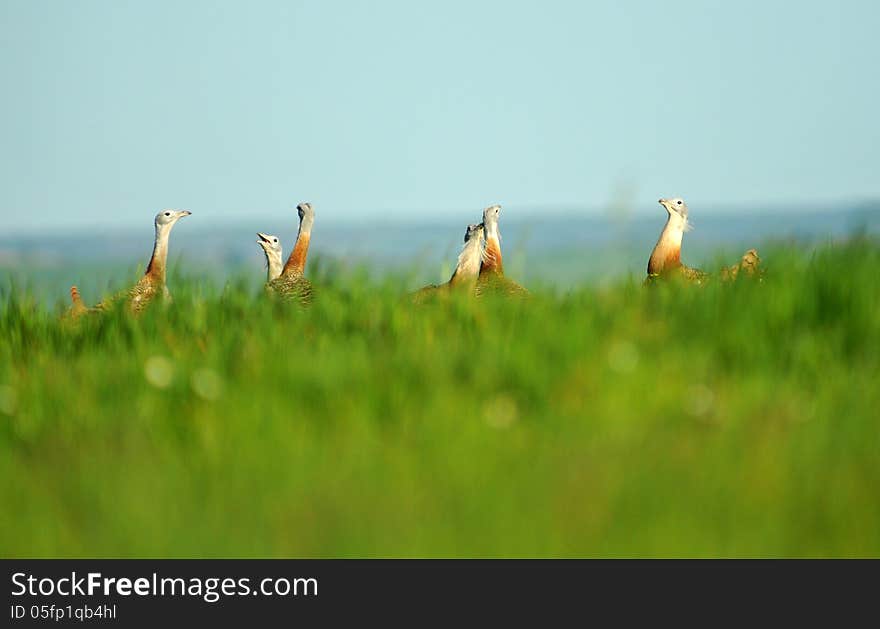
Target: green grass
<point x="730" y="420"/>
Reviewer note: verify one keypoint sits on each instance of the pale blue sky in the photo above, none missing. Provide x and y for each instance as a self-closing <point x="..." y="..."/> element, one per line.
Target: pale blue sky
<point x="113" y="110"/>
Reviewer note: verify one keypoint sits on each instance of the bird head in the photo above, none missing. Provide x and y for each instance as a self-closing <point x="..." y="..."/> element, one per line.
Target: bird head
<point x="490" y="221"/>
<point x="678" y="209"/>
<point x="474" y="231"/>
<point x="269" y="243"/>
<point x="675" y="206"/>
<point x="169" y="217"/>
<point x="271" y="246"/>
<point x="306" y="215"/>
<point x="491" y="215"/>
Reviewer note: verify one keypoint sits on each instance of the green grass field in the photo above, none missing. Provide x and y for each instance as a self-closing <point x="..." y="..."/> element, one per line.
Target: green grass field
<point x="621" y="421"/>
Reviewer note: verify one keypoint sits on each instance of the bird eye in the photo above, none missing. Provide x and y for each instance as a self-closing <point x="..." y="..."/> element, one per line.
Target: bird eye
<point x="274" y="240"/>
<point x="167" y="213"/>
<point x="678" y="202"/>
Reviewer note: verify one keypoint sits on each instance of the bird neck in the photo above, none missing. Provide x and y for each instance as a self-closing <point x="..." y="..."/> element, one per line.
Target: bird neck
<point x="158" y="261"/>
<point x="492" y="256"/>
<point x="667" y="251"/>
<point x="468" y="266"/>
<point x="296" y="263"/>
<point x="273" y="266"/>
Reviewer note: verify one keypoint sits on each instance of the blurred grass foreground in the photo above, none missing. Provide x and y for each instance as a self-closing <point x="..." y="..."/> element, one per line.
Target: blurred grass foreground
<point x="729" y="420"/>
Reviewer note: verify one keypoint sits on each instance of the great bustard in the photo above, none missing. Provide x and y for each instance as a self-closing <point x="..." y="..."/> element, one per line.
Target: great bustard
<point x="491" y="278"/>
<point x="292" y="285"/>
<point x="464" y="277"/>
<point x="665" y="260"/>
<point x="153" y="283"/>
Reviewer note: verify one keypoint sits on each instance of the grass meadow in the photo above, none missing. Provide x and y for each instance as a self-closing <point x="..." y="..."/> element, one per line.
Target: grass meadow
<point x="609" y="420"/>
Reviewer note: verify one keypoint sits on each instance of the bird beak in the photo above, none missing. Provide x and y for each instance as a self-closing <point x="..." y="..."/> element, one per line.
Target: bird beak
<point x="262" y="238"/>
<point x="185" y="213"/>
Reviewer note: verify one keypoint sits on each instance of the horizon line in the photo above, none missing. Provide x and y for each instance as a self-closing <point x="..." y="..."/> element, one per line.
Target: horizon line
<point x="437" y="216"/>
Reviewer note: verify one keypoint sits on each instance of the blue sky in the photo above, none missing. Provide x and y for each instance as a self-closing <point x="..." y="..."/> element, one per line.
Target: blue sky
<point x="113" y="110"/>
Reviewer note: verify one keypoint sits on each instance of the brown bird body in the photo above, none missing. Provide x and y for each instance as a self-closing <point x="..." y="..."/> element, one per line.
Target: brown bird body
<point x="292" y="284"/>
<point x="153" y="283"/>
<point x="464" y="277"/>
<point x="665" y="260"/>
<point x="491" y="279"/>
<point x="750" y="265"/>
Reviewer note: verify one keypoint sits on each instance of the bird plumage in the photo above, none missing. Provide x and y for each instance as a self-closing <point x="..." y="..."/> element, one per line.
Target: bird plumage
<point x="466" y="269"/>
<point x="292" y="285"/>
<point x="665" y="260"/>
<point x="153" y="283"/>
<point x="491" y="279"/>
